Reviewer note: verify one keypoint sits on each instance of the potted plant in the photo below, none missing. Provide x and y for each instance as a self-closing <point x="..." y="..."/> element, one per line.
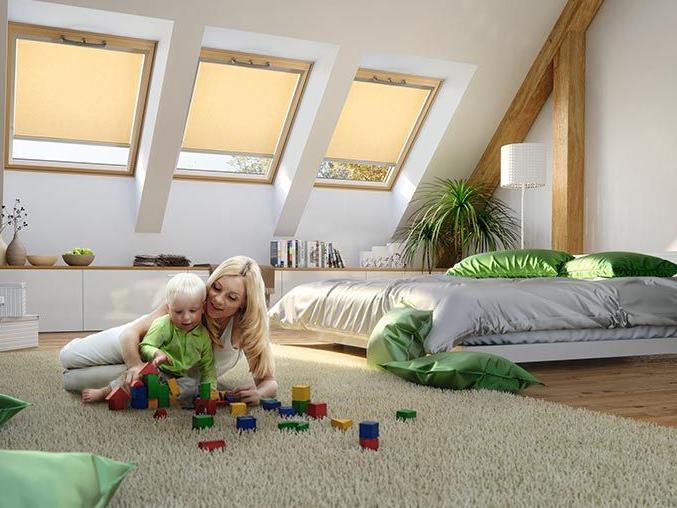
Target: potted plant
<point x="454" y="218"/>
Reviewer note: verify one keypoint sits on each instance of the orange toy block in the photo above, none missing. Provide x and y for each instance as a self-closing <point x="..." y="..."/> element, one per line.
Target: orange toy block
<point x="152" y="404"/>
<point x="214" y="395"/>
<point x="238" y="409"/>
<point x="341" y="423"/>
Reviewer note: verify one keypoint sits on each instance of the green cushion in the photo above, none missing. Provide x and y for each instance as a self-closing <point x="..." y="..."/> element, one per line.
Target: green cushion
<point x="512" y="264"/>
<point x="462" y="370"/>
<point x="37" y="479"/>
<point x="619" y="264"/>
<point x="399" y="335"/>
<point x="9" y="406"/>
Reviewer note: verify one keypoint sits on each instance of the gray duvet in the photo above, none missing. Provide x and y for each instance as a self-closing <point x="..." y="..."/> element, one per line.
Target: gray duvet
<point x="490" y="311"/>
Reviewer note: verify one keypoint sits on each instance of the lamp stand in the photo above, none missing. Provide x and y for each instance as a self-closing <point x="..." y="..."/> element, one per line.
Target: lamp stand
<point x="522" y="220"/>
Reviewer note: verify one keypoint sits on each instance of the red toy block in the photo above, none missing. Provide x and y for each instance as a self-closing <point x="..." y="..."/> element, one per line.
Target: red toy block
<point x="317" y="409"/>
<point x="221" y="402"/>
<point x="160" y="413"/>
<point x="204" y="406"/>
<point x="136" y="383"/>
<point x="148" y="368"/>
<point x="371" y="444"/>
<point x="117" y="399"/>
<point x="211" y="407"/>
<point x="212" y="445"/>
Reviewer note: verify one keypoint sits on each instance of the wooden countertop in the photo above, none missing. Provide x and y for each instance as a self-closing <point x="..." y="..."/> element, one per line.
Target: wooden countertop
<point x="96" y="267"/>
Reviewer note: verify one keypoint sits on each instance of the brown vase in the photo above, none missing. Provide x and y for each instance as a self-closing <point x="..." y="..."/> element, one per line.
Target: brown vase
<point x="16" y="252"/>
<point x="3" y="251"/>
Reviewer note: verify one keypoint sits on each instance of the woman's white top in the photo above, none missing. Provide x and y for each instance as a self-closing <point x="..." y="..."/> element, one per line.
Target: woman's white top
<point x="226" y="358"/>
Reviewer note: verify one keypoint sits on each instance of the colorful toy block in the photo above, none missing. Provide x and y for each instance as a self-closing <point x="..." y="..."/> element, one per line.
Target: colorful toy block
<point x="317" y="409"/>
<point x="270" y="404"/>
<point x="148" y="368"/>
<point x="301" y="406"/>
<point x="405" y="414"/>
<point x="212" y="445"/>
<point x="341" y="423"/>
<point x="117" y="399"/>
<point x="370" y="444"/>
<point x="238" y="409"/>
<point x="173" y="387"/>
<point x="163" y="396"/>
<point x="200" y="406"/>
<point x="214" y="395"/>
<point x="368" y="430"/>
<point x="287" y="425"/>
<point x="245" y="423"/>
<point x="300" y="392"/>
<point x="160" y="413"/>
<point x="152" y="382"/>
<point x="302" y="426"/>
<point x="286" y="411"/>
<point x="205" y="390"/>
<point x="211" y="407"/>
<point x="139" y="395"/>
<point x="202" y="421"/>
<point x="231" y="398"/>
<point x="152" y="404"/>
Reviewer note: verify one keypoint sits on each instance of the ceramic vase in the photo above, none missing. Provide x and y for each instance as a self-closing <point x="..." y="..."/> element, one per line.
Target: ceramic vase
<point x="3" y="250"/>
<point x="16" y="252"/>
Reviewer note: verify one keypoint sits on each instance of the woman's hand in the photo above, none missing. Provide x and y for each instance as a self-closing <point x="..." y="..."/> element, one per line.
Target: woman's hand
<point x="248" y="393"/>
<point x="159" y="358"/>
<point x="132" y="375"/>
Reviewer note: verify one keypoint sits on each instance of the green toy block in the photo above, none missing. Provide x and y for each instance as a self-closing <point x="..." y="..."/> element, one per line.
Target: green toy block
<point x="205" y="390"/>
<point x="202" y="421"/>
<point x="287" y="425"/>
<point x="163" y="396"/>
<point x="152" y="382"/>
<point x="302" y="426"/>
<point x="405" y="414"/>
<point x="301" y="406"/>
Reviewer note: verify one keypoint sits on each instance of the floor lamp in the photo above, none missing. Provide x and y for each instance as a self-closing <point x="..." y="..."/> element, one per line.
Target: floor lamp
<point x="522" y="167"/>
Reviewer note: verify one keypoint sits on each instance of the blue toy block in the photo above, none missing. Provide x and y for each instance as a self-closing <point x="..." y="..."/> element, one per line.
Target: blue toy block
<point x="231" y="398"/>
<point x="368" y="430"/>
<point x="286" y="411"/>
<point x="245" y="423"/>
<point x="139" y="397"/>
<point x="270" y="404"/>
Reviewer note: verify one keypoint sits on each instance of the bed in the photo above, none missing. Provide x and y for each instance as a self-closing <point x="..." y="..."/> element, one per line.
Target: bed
<point x="525" y="320"/>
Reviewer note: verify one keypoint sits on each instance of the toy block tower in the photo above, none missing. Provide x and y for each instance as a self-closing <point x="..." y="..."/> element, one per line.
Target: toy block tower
<point x="117" y="399"/>
<point x="139" y="395"/>
<point x="369" y="435"/>
<point x="300" y="398"/>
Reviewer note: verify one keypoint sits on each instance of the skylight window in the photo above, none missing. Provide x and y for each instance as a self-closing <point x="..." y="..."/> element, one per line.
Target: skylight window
<point x="378" y="124"/>
<point x="75" y="99"/>
<point x="241" y="112"/>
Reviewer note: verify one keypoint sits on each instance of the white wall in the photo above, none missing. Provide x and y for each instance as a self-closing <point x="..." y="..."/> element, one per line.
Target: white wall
<point x="631" y="133"/>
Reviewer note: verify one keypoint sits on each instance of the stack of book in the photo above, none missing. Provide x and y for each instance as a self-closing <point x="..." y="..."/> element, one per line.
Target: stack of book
<point x="304" y="254"/>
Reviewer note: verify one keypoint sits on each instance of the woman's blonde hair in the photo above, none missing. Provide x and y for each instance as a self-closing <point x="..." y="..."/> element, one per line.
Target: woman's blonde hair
<point x="253" y="324"/>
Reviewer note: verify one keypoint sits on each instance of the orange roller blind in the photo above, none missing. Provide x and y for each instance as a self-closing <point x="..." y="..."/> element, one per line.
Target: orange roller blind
<point x="376" y="121"/>
<point x="239" y="109"/>
<point x="75" y="93"/>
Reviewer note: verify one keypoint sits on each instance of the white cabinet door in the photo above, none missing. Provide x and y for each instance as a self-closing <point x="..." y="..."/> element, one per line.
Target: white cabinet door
<point x="291" y="279"/>
<point x="54" y="295"/>
<point x="115" y="297"/>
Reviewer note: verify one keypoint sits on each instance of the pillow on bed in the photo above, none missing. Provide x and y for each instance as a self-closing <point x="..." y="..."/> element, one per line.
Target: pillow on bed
<point x="9" y="406"/>
<point x="512" y="264"/>
<point x="399" y="335"/>
<point x="32" y="478"/>
<point x="464" y="370"/>
<point x="619" y="264"/>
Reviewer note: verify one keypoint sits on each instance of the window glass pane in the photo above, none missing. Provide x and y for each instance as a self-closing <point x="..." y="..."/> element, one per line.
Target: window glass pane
<point x="80" y="153"/>
<point x="355" y="171"/>
<point x="224" y="163"/>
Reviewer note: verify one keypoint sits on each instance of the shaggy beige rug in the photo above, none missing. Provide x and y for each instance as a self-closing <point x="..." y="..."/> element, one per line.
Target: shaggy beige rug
<point x="465" y="448"/>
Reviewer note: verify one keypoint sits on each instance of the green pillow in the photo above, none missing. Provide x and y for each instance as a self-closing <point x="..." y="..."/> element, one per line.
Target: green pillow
<point x="399" y="335"/>
<point x="9" y="406"/>
<point x="512" y="264"/>
<point x="33" y="478"/>
<point x="463" y="370"/>
<point x="619" y="264"/>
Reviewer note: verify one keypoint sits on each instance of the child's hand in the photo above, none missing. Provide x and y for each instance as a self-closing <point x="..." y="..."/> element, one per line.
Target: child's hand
<point x="247" y="393"/>
<point x="161" y="358"/>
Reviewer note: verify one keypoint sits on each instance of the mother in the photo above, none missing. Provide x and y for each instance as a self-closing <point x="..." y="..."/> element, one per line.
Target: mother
<point x="235" y="315"/>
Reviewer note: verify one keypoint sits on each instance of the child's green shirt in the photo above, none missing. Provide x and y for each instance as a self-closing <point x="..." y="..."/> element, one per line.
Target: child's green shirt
<point x="185" y="349"/>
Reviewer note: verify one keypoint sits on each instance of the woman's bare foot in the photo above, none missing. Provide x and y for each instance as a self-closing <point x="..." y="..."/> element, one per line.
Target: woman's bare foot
<point x="95" y="394"/>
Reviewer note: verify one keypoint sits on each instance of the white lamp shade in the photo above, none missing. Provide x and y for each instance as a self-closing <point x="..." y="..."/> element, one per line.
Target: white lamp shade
<point x="523" y="165"/>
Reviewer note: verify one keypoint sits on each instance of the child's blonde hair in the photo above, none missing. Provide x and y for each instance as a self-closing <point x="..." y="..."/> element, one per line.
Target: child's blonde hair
<point x="185" y="284"/>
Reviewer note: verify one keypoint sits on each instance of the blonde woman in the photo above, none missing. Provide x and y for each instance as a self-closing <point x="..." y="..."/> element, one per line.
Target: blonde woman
<point x="235" y="316"/>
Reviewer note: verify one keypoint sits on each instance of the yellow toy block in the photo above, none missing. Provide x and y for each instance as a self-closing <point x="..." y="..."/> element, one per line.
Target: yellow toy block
<point x="300" y="392"/>
<point x="173" y="387"/>
<point x="214" y="395"/>
<point x="173" y="401"/>
<point x="152" y="403"/>
<point x="238" y="409"/>
<point x="341" y="423"/>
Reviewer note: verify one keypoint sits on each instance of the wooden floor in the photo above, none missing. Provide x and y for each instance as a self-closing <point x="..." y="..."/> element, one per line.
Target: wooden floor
<point x="643" y="388"/>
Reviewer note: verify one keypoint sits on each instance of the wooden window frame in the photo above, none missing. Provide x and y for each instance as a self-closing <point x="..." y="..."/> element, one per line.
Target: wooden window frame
<point x="116" y="43"/>
<point x="390" y="79"/>
<point x="228" y="57"/>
